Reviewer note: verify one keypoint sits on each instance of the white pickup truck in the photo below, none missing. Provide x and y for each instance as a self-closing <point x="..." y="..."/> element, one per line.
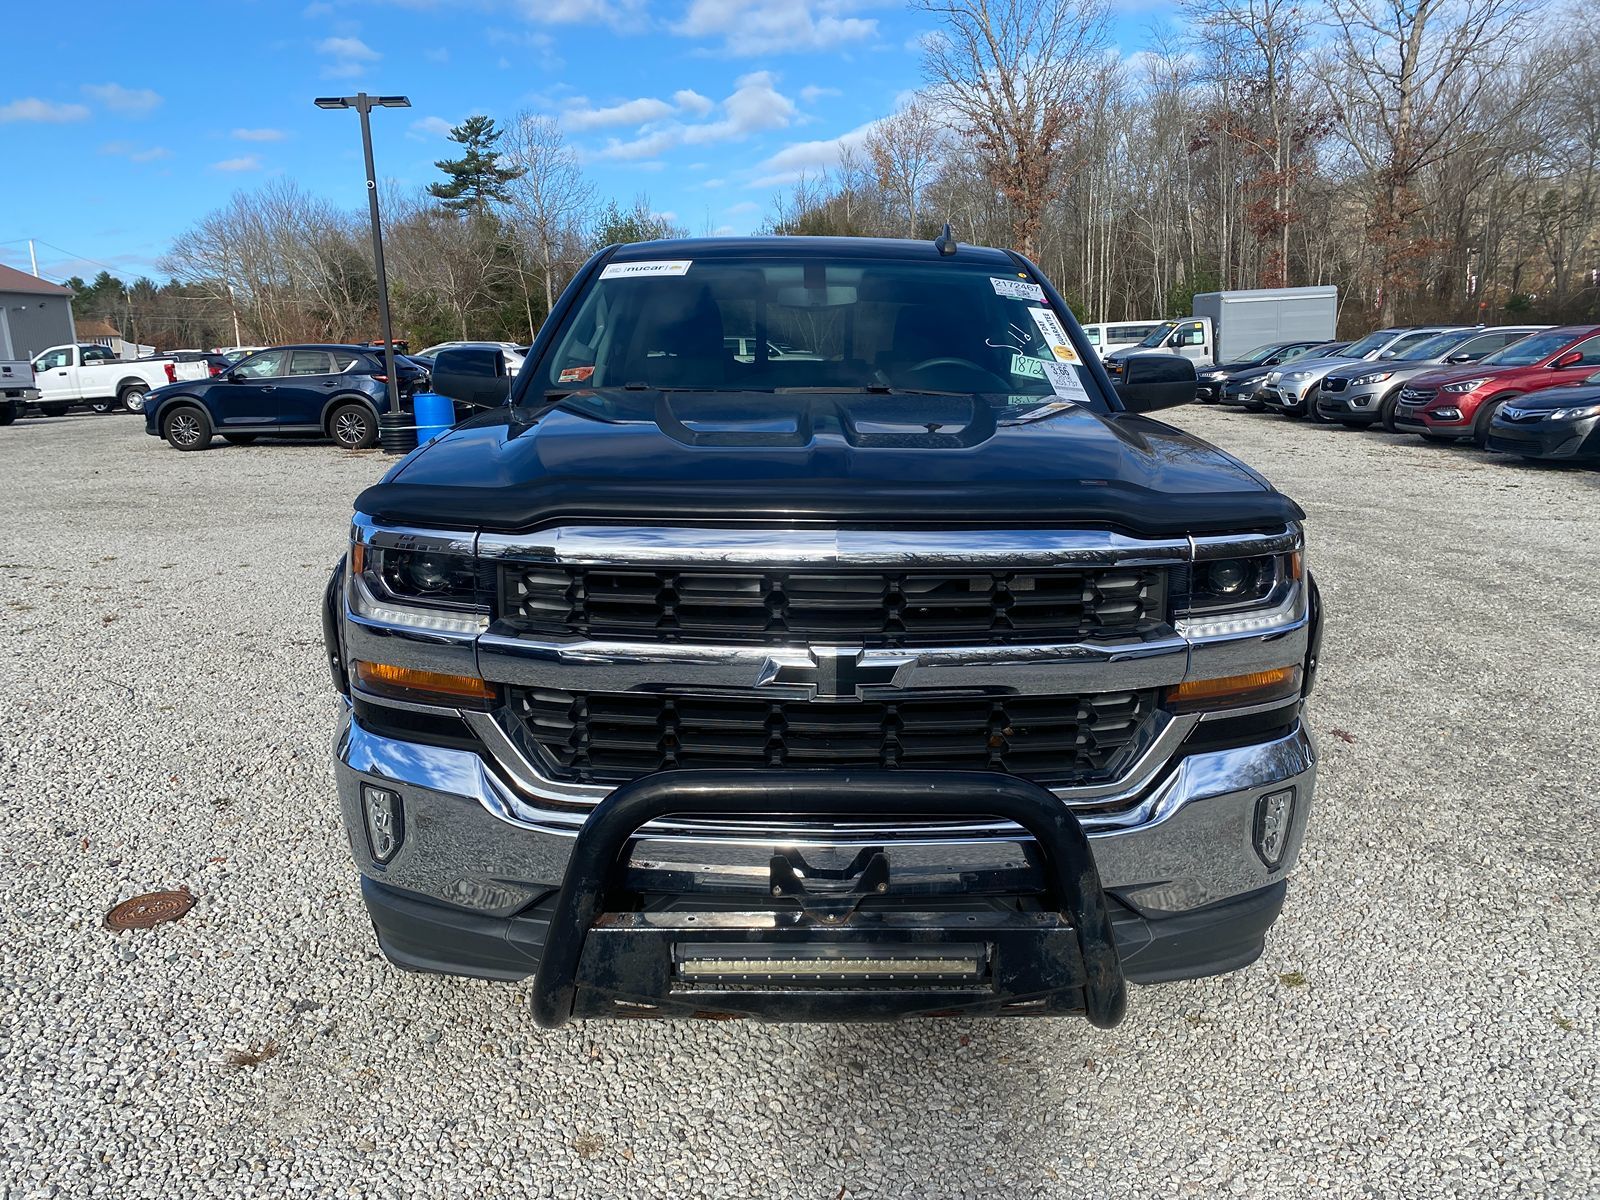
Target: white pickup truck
<point x="93" y="375"/>
<point x="16" y="389"/>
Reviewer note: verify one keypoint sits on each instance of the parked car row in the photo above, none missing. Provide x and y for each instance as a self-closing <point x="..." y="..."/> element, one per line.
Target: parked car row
<point x="1531" y="390"/>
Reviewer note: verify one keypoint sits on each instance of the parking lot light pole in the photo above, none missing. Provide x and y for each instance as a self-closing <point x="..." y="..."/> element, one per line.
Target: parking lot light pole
<point x="364" y="104"/>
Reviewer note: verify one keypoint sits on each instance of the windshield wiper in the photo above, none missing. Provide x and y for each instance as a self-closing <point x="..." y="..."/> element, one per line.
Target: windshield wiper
<point x="871" y="389"/>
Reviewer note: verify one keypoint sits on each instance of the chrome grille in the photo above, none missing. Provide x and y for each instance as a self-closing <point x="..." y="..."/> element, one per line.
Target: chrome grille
<point x="870" y="606"/>
<point x="600" y="737"/>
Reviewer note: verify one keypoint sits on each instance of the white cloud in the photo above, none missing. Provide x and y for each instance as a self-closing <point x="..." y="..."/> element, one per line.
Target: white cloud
<point x="259" y="135"/>
<point x="135" y="102"/>
<point x="665" y="216"/>
<point x="436" y="54"/>
<point x="135" y="153"/>
<point x="800" y="158"/>
<point x="811" y="93"/>
<point x="619" y="14"/>
<point x="755" y="106"/>
<point x="630" y="112"/>
<point x="744" y="206"/>
<point x="426" y="127"/>
<point x="714" y="183"/>
<point x="637" y="113"/>
<point x="246" y="162"/>
<point x="724" y="231"/>
<point x="693" y="102"/>
<point x="748" y="27"/>
<point x="349" y="57"/>
<point x="34" y="109"/>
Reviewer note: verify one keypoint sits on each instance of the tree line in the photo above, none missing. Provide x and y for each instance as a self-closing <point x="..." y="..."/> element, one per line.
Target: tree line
<point x="1435" y="159"/>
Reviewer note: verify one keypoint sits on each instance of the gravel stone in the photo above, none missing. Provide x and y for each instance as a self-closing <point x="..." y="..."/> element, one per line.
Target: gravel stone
<point x="167" y="724"/>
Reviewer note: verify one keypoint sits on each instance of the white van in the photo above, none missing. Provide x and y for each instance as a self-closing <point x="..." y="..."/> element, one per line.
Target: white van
<point x="1106" y="336"/>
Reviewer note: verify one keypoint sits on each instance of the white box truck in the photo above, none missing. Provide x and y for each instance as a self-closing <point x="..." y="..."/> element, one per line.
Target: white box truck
<point x="1228" y="325"/>
<point x="1241" y="321"/>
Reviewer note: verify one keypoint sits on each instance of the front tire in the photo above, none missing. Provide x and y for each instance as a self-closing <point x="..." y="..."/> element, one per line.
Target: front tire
<point x="1485" y="418"/>
<point x="132" y="397"/>
<point x="101" y="406"/>
<point x="354" y="427"/>
<point x="186" y="429"/>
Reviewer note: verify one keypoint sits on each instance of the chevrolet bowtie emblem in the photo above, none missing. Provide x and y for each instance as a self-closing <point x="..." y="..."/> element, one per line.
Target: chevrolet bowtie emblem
<point x="832" y="674"/>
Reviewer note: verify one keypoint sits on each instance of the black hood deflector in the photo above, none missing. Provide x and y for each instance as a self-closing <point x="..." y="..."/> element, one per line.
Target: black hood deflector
<point x="514" y="471"/>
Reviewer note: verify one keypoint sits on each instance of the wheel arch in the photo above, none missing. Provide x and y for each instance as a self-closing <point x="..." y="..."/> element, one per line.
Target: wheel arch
<point x="343" y="398"/>
<point x="181" y="400"/>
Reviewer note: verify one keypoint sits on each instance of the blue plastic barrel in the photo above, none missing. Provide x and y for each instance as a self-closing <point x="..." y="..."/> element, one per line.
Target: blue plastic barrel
<point x="436" y="414"/>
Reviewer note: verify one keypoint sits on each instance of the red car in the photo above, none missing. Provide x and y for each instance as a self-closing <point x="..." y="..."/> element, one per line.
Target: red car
<point x="1444" y="406"/>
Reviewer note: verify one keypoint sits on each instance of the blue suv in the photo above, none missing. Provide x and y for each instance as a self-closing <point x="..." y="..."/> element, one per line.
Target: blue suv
<point x="332" y="391"/>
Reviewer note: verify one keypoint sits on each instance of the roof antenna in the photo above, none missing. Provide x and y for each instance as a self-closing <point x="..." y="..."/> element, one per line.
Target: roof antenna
<point x="945" y="244"/>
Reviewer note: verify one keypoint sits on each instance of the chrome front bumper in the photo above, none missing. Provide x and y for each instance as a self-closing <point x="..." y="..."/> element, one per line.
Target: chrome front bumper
<point x="473" y="841"/>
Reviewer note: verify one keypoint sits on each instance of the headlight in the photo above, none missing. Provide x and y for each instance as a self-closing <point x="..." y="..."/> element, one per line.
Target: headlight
<point x="423" y="582"/>
<point x="1296" y="376"/>
<point x="1574" y="414"/>
<point x="1466" y="385"/>
<point x="1274" y="376"/>
<point x="1376" y="377"/>
<point x="1227" y="584"/>
<point x="1214" y="376"/>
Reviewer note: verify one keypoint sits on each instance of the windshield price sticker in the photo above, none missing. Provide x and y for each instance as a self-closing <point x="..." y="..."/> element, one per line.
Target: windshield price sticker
<point x="1055" y="335"/>
<point x="1017" y="289"/>
<point x="1064" y="380"/>
<point x="636" y="270"/>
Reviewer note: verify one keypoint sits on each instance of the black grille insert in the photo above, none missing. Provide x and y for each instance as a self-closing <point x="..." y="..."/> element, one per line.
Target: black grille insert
<point x="612" y="737"/>
<point x="869" y="606"/>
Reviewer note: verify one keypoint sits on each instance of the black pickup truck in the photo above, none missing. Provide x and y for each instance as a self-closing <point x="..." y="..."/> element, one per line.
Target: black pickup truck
<point x="811" y="631"/>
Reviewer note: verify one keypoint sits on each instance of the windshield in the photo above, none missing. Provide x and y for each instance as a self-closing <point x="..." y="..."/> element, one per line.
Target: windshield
<point x="811" y="324"/>
<point x="1158" y="334"/>
<point x="1529" y="350"/>
<point x="1437" y="346"/>
<point x="1370" y="344"/>
<point x="1261" y="353"/>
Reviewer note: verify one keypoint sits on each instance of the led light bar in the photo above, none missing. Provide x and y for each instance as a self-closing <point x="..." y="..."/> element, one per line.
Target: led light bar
<point x="749" y="964"/>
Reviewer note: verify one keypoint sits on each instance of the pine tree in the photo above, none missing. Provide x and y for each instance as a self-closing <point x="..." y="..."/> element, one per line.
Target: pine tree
<point x="476" y="178"/>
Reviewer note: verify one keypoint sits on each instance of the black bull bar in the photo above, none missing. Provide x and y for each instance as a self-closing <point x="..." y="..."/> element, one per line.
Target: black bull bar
<point x="1061" y="960"/>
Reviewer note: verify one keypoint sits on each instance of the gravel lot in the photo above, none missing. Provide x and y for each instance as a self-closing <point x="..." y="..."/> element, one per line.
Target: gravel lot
<point x="1424" y="1022"/>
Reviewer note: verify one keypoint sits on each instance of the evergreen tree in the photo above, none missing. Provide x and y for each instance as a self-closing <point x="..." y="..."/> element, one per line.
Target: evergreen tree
<point x="476" y="178"/>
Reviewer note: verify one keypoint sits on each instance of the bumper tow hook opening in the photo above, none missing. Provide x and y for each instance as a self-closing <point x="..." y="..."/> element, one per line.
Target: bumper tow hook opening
<point x="829" y="895"/>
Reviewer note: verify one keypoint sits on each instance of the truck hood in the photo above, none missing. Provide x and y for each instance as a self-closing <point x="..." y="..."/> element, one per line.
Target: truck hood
<point x="833" y="459"/>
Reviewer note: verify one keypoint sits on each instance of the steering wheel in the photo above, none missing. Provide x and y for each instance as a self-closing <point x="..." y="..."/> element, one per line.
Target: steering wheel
<point x="947" y="362"/>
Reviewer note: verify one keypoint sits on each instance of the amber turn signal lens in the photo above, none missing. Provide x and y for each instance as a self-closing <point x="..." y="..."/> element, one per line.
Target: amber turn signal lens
<point x="408" y="683"/>
<point x="1235" y="691"/>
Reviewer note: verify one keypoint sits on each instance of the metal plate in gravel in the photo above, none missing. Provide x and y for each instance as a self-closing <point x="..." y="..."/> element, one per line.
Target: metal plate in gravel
<point x="153" y="908"/>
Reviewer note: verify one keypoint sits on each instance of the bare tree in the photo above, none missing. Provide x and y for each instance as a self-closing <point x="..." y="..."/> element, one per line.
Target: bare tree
<point x="904" y="150"/>
<point x="549" y="200"/>
<point x="1408" y="78"/>
<point x="1009" y="74"/>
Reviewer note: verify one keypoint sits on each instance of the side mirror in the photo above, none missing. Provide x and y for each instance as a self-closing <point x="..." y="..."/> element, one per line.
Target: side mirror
<point x="474" y="375"/>
<point x="1152" y="381"/>
<point x="235" y="376"/>
<point x="1464" y="357"/>
<point x="1570" y="359"/>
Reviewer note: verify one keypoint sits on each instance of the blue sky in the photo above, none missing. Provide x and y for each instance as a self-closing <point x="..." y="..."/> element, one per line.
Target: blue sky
<point x="131" y="121"/>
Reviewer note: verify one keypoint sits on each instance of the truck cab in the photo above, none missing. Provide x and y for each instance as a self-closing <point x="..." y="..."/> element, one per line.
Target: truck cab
<point x="1191" y="338"/>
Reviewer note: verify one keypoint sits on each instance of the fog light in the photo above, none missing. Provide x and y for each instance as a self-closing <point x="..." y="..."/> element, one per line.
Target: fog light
<point x="1446" y="414"/>
<point x="1274" y="814"/>
<point x="385" y="821"/>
